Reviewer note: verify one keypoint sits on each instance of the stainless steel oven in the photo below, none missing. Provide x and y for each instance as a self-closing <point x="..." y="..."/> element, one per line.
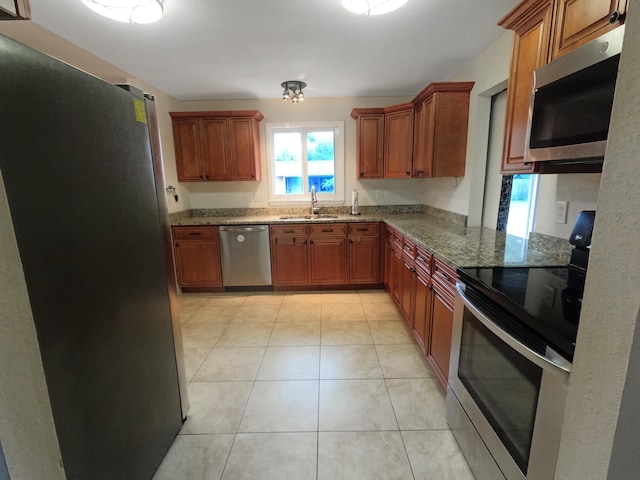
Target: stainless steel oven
<point x="507" y="381"/>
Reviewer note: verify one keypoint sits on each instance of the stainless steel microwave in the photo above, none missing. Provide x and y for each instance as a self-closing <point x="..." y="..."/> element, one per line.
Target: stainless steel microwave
<point x="571" y="103"/>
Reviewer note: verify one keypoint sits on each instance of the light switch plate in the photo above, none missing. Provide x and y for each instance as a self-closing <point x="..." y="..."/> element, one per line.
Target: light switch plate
<point x="561" y="212"/>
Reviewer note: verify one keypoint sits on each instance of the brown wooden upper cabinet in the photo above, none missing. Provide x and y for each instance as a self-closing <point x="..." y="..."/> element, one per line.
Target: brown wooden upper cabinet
<point x="580" y="21"/>
<point x="440" y="130"/>
<point x="384" y="141"/>
<point x="15" y="10"/>
<point x="217" y="146"/>
<point x="398" y="141"/>
<point x="544" y="30"/>
<point x="370" y="142"/>
<point x="424" y="138"/>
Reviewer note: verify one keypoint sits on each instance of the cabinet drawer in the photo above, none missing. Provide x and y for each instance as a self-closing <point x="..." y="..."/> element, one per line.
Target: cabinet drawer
<point x="444" y="281"/>
<point x="194" y="232"/>
<point x="423" y="260"/>
<point x="409" y="249"/>
<point x="363" y="229"/>
<point x="296" y="230"/>
<point x="334" y="229"/>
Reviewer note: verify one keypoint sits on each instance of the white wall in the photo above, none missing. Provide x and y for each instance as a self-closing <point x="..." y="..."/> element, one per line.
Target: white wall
<point x="255" y="194"/>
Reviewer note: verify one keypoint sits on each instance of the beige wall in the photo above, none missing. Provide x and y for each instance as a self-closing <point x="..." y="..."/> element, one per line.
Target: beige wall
<point x="489" y="71"/>
<point x="580" y="190"/>
<point x="27" y="431"/>
<point x="611" y="303"/>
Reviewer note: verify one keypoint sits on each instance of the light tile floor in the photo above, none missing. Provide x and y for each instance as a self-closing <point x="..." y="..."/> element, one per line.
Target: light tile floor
<point x="322" y="386"/>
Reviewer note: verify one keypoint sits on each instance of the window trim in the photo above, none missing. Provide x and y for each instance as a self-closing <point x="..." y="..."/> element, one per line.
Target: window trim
<point x="336" y="198"/>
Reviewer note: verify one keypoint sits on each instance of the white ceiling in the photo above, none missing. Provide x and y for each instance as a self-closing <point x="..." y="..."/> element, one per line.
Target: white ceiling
<point x="232" y="49"/>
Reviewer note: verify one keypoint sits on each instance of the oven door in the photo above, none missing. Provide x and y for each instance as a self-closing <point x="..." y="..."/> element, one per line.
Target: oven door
<point x="513" y="396"/>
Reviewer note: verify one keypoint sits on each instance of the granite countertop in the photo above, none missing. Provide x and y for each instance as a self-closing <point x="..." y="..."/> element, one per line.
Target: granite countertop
<point x="455" y="244"/>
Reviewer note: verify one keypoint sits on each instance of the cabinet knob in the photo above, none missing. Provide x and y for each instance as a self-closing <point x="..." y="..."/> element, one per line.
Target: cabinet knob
<point x="408" y="173"/>
<point x="253" y="176"/>
<point x="361" y="174"/>
<point x="614" y="17"/>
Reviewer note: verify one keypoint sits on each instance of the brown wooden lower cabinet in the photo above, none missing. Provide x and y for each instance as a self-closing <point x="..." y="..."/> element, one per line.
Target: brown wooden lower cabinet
<point x="197" y="258"/>
<point x="289" y="254"/>
<point x="364" y="259"/>
<point x="407" y="291"/>
<point x="443" y="283"/>
<point x="440" y="343"/>
<point x="328" y="259"/>
<point x="422" y="310"/>
<point x="325" y="254"/>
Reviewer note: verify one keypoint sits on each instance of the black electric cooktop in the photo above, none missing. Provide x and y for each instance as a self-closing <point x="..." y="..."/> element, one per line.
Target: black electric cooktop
<point x="546" y="300"/>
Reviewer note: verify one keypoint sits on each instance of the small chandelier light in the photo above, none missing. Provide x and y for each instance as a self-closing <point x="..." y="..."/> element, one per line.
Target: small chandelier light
<point x="372" y="7"/>
<point x="293" y="91"/>
<point x="129" y="11"/>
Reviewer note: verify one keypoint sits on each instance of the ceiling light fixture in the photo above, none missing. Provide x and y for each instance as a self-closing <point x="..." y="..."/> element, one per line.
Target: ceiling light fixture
<point x="293" y="91"/>
<point x="129" y="11"/>
<point x="372" y="7"/>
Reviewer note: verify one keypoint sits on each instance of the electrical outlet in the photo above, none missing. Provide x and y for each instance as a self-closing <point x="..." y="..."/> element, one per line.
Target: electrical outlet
<point x="259" y="197"/>
<point x="561" y="212"/>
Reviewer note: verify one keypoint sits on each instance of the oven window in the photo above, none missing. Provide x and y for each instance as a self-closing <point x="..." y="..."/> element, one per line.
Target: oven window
<point x="504" y="385"/>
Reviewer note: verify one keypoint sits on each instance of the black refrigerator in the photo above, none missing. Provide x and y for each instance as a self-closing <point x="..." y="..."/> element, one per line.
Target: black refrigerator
<point x="82" y="169"/>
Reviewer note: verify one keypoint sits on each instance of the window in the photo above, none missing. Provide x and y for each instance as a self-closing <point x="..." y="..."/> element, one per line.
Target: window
<point x="305" y="155"/>
<point x="521" y="204"/>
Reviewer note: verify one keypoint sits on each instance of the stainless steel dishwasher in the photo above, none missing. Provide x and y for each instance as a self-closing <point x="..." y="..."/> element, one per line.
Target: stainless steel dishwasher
<point x="245" y="255"/>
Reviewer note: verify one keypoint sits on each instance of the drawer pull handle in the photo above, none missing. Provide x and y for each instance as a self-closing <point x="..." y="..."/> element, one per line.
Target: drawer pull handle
<point x="195" y="233"/>
<point x="327" y="230"/>
<point x="421" y="258"/>
<point x="288" y="231"/>
<point x="446" y="277"/>
<point x="362" y="229"/>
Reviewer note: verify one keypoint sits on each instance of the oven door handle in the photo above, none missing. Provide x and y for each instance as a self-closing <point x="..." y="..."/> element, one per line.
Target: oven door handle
<point x="551" y="361"/>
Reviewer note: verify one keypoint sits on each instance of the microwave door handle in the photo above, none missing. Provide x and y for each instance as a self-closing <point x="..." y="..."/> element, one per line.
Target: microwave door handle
<point x="551" y="362"/>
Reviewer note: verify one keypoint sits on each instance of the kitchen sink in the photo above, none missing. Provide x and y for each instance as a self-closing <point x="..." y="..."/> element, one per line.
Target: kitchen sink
<point x="306" y="217"/>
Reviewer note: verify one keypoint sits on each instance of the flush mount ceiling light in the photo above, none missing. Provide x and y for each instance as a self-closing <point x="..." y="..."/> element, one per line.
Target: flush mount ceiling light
<point x="129" y="11"/>
<point x="293" y="91"/>
<point x="372" y="7"/>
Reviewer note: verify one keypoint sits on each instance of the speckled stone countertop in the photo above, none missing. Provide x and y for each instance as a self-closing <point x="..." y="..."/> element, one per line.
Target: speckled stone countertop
<point x="455" y="244"/>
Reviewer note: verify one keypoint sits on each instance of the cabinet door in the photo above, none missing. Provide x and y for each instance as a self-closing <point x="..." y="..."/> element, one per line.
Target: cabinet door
<point x="440" y="345"/>
<point x="369" y="146"/>
<point x="531" y="44"/>
<point x="422" y="312"/>
<point x="198" y="263"/>
<point x="423" y="139"/>
<point x="407" y="292"/>
<point x="290" y="261"/>
<point x="328" y="260"/>
<point x="244" y="154"/>
<point x="580" y="21"/>
<point x="395" y="274"/>
<point x="216" y="149"/>
<point x="398" y="144"/>
<point x="449" y="119"/>
<point x="364" y="256"/>
<point x="186" y="137"/>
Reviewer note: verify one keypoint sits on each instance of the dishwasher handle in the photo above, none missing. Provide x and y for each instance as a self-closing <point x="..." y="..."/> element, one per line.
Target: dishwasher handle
<point x="258" y="228"/>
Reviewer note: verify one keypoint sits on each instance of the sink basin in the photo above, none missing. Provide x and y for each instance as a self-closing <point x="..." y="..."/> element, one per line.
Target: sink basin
<point x="306" y="217"/>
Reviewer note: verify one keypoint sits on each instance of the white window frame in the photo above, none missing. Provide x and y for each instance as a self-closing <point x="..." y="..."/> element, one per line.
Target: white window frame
<point x="324" y="198"/>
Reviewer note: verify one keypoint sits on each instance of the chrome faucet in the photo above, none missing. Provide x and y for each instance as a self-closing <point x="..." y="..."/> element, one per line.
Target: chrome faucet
<point x="314" y="199"/>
